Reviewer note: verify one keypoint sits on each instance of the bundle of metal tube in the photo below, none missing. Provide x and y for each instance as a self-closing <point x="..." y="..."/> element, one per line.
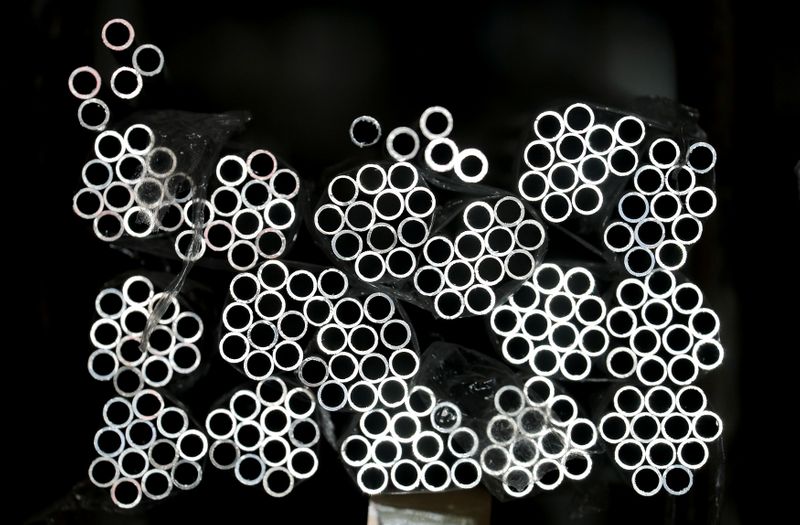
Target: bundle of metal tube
<point x="251" y="212"/>
<point x="147" y="448"/>
<point x="555" y="323"/>
<point x="355" y="348"/>
<point x="657" y="221"/>
<point x="536" y="439"/>
<point x="126" y="82"/>
<point x="267" y="435"/>
<point x="577" y="158"/>
<point x="660" y="436"/>
<point x="417" y="444"/>
<point x="581" y="157"/>
<point x="440" y="154"/>
<point x="134" y="187"/>
<point x="486" y="249"/>
<point x="663" y="331"/>
<point x="375" y="219"/>
<point x="117" y="338"/>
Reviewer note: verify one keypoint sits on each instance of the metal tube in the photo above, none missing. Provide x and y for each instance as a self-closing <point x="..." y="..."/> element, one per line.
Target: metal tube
<point x="622" y="161"/>
<point x="93" y="124"/>
<point x="132" y="463"/>
<point x="645" y="427"/>
<point x="649" y="233"/>
<point x="660" y="453"/>
<point x="313" y="371"/>
<point x="303" y="463"/>
<point x="640" y="261"/>
<point x="129" y="74"/>
<point x="368" y="130"/>
<point x="562" y="176"/>
<point x="186" y="475"/>
<point x="670" y="255"/>
<point x="677" y="480"/>
<point x="382" y="237"/>
<point x="279" y="214"/>
<point x="372" y="478"/>
<point x="548" y="474"/>
<point x="629" y="130"/>
<point x="665" y="206"/>
<point x="556" y="207"/>
<point x="495" y="460"/>
<point x="371" y="179"/>
<point x="664" y="152"/>
<point x="539" y="155"/>
<point x="103" y="472"/>
<point x="479" y="299"/>
<point x="332" y="395"/>
<point x="420" y="202"/>
<point x="144" y="65"/>
<point x="370" y="266"/>
<point x="405" y="475"/>
<point x="459" y="274"/>
<point x="385" y="451"/>
<point x="614" y="427"/>
<point x="549" y="125"/>
<point x="440" y="154"/>
<point x="438" y="113"/>
<point x="651" y="370"/>
<point x="435" y="476"/>
<point x="156" y="371"/>
<point x="400" y="263"/>
<point x="402" y="177"/>
<point x="692" y="453"/>
<point x="618" y="237"/>
<point x="449" y="304"/>
<point x="258" y="365"/>
<point x="355" y="450"/>
<point x="373" y="368"/>
<point x="708" y="354"/>
<point x="406" y="153"/>
<point x="392" y="391"/>
<point x="533" y="186"/>
<point x="464" y="165"/>
<point x="343" y="190"/>
<point x="576" y="464"/>
<point x="284" y="184"/>
<point x="362" y="396"/>
<point x="629" y="454"/>
<point x="126" y="493"/>
<point x="575" y="365"/>
<point x="250" y="469"/>
<point x="587" y="199"/>
<point x="701" y="157"/>
<point x="84" y="71"/>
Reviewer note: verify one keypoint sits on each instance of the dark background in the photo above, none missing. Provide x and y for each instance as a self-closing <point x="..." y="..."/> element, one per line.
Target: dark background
<point x="305" y="72"/>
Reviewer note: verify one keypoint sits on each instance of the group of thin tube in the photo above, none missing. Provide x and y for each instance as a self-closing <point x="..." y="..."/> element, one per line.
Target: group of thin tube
<point x="147" y="448"/>
<point x="134" y="187"/>
<point x="267" y="435"/>
<point x="126" y="82"/>
<point x="354" y="348"/>
<point x="172" y="348"/>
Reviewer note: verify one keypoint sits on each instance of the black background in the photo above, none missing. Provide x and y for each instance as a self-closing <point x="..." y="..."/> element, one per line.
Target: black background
<point x="305" y="72"/>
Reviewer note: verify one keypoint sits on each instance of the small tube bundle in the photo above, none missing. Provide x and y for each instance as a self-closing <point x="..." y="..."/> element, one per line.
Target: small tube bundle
<point x="658" y="220"/>
<point x="535" y="439"/>
<point x="173" y="345"/>
<point x="417" y="444"/>
<point x="148" y="447"/>
<point x="126" y="82"/>
<point x="375" y="219"/>
<point x="267" y="434"/>
<point x="660" y="435"/>
<point x="480" y="253"/>
<point x="440" y="154"/>
<point x="251" y="210"/>
<point x="142" y="183"/>
<point x="554" y="324"/>
<point x="663" y="331"/>
<point x="354" y="347"/>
